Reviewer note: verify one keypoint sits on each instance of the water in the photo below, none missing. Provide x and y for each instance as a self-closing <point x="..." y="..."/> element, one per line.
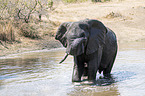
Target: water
<point x="38" y="73"/>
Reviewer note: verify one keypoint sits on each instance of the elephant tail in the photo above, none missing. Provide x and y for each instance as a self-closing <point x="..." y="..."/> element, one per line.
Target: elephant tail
<point x="63" y="58"/>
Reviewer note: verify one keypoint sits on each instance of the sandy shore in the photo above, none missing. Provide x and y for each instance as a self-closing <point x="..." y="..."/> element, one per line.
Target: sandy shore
<point x="126" y="18"/>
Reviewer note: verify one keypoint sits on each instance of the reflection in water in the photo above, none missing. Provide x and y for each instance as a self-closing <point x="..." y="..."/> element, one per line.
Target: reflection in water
<point x="95" y="91"/>
<point x="39" y="74"/>
<point x="102" y="86"/>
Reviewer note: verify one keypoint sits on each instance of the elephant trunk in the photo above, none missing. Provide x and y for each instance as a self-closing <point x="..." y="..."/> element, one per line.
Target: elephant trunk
<point x="66" y="55"/>
<point x="77" y="47"/>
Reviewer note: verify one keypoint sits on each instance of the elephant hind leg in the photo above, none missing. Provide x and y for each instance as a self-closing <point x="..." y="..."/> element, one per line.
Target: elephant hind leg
<point x="108" y="69"/>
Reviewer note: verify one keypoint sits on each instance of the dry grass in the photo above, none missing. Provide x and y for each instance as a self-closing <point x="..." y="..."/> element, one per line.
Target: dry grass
<point x="28" y="30"/>
<point x="124" y="17"/>
<point x="73" y="1"/>
<point x="113" y="15"/>
<point x="7" y="32"/>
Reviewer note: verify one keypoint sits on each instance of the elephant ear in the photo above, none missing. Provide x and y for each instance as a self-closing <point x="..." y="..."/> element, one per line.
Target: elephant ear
<point x="97" y="32"/>
<point x="61" y="33"/>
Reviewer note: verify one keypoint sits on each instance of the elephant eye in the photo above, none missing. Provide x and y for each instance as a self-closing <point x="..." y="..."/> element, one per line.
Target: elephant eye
<point x="82" y="35"/>
<point x="87" y="28"/>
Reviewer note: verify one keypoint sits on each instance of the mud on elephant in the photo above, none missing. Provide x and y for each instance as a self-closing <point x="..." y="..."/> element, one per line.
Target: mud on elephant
<point x="92" y="45"/>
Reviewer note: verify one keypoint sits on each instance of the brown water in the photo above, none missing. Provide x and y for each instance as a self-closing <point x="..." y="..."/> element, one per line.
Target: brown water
<point x="38" y="73"/>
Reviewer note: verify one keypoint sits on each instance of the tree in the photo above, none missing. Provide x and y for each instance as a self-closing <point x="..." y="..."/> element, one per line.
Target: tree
<point x="24" y="9"/>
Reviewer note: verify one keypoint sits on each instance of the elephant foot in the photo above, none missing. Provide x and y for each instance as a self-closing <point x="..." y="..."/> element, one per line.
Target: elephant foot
<point x="76" y="80"/>
<point x="85" y="73"/>
<point x="91" y="82"/>
<point x="108" y="75"/>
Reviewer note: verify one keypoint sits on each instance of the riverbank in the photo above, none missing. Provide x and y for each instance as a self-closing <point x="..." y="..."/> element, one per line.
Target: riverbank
<point x="125" y="18"/>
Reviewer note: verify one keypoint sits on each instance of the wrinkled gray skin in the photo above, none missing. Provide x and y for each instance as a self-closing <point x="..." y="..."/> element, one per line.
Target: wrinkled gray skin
<point x="93" y="46"/>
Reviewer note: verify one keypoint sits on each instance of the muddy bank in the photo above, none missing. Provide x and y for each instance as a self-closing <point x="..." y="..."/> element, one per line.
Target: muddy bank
<point x="29" y="45"/>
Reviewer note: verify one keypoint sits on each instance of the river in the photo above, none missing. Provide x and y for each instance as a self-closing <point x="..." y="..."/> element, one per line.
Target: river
<point x="37" y="73"/>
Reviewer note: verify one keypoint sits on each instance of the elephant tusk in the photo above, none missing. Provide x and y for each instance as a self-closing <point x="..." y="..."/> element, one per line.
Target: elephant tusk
<point x="63" y="58"/>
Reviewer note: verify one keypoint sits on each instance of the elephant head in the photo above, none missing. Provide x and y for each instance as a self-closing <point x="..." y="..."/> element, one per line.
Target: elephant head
<point x="82" y="37"/>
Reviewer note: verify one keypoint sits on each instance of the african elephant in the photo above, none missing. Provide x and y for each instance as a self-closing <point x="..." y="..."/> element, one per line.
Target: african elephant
<point x="93" y="46"/>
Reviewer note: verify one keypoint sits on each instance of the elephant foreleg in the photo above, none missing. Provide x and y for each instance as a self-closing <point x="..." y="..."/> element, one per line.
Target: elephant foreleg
<point x="92" y="70"/>
<point x="78" y="69"/>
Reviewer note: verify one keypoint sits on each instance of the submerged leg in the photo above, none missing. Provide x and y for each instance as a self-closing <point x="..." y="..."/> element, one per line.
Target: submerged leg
<point x="93" y="64"/>
<point x="107" y="70"/>
<point x="78" y="68"/>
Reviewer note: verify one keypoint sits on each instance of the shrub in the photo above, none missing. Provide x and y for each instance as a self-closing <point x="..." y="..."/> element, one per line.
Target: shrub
<point x="105" y="0"/>
<point x="100" y="0"/>
<point x="73" y="1"/>
<point x="7" y="31"/>
<point x="24" y="9"/>
<point x="28" y="30"/>
<point x="113" y="15"/>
